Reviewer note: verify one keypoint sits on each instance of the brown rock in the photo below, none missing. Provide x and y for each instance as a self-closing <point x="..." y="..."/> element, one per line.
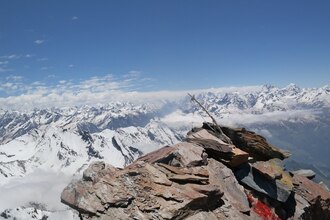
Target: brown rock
<point x="238" y="158"/>
<point x="223" y="177"/>
<point x="275" y="171"/>
<point x="256" y="145"/>
<point x="181" y="182"/>
<point x="217" y="149"/>
<point x="182" y="154"/>
<point x="144" y="190"/>
<point x="309" y="189"/>
<point x="198" y="171"/>
<point x="317" y="197"/>
<point x="186" y="178"/>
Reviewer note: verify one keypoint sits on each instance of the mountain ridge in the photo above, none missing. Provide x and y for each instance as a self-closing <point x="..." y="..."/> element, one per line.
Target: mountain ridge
<point x="67" y="139"/>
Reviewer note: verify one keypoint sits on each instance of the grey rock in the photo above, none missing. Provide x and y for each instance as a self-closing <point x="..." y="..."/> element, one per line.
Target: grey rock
<point x="262" y="183"/>
<point x="310" y="174"/>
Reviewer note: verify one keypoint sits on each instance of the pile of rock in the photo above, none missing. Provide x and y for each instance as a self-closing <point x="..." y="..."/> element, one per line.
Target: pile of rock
<point x="200" y="178"/>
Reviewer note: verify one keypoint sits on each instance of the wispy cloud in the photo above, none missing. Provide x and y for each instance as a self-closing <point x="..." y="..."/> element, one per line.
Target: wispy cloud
<point x="100" y="89"/>
<point x="179" y="120"/>
<point x="74" y="18"/>
<point x="11" y="57"/>
<point x="70" y="65"/>
<point x="39" y="41"/>
<point x="42" y="59"/>
<point x="16" y="56"/>
<point x="44" y="68"/>
<point x="4" y="70"/>
<point x="29" y="55"/>
<point x="14" y="78"/>
<point x="4" y="62"/>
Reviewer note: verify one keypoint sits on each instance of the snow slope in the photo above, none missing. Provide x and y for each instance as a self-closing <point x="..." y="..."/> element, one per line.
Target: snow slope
<point x="63" y="141"/>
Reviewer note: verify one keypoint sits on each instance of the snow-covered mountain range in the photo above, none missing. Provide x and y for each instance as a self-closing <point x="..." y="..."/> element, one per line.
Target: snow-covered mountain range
<point x="44" y="148"/>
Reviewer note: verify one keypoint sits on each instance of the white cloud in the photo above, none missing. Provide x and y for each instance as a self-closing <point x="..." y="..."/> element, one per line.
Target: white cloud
<point x="4" y="62"/>
<point x="29" y="55"/>
<point x="74" y="18"/>
<point x="12" y="84"/>
<point x="11" y="57"/>
<point x="70" y="65"/>
<point x="247" y="119"/>
<point x="132" y="73"/>
<point x="14" y="78"/>
<point x="70" y="93"/>
<point x="185" y="121"/>
<point x="44" y="187"/>
<point x="39" y="41"/>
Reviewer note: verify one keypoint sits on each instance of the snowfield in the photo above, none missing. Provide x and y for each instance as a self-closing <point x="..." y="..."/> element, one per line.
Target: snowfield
<point x="42" y="150"/>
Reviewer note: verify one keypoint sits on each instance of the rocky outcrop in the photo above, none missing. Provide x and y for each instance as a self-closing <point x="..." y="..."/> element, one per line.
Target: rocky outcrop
<point x="254" y="144"/>
<point x="200" y="178"/>
<point x="218" y="149"/>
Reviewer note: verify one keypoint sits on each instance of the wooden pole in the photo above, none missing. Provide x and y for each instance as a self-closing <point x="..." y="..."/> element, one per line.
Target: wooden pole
<point x="224" y="137"/>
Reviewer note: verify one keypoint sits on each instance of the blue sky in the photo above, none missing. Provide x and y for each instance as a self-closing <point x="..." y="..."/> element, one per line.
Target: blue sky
<point x="150" y="45"/>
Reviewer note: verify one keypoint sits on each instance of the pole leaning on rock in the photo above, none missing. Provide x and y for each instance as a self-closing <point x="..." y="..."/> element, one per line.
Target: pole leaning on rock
<point x="222" y="135"/>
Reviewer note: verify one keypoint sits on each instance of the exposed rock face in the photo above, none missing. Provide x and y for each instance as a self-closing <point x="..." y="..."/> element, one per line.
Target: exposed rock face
<point x="146" y="190"/>
<point x="195" y="180"/>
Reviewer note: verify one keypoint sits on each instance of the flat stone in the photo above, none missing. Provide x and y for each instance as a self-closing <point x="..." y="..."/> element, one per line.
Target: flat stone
<point x="262" y="183"/>
<point x="310" y="174"/>
<point x="274" y="170"/>
<point x="206" y="140"/>
<point x="238" y="158"/>
<point x="217" y="148"/>
<point x="187" y="178"/>
<point x="181" y="155"/>
<point x="198" y="171"/>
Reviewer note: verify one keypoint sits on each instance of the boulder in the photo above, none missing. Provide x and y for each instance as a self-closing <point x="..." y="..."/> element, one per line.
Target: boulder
<point x="255" y="145"/>
<point x="143" y="191"/>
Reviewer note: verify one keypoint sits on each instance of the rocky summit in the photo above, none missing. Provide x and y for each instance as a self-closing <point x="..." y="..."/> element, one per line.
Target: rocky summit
<point x="203" y="177"/>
